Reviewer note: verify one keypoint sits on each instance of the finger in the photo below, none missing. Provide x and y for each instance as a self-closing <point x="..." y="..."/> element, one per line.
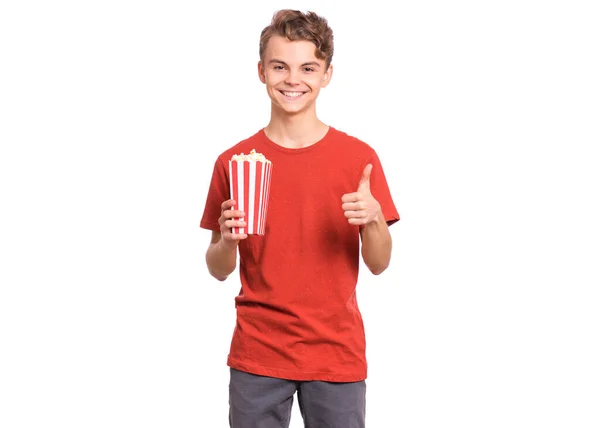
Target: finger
<point x="233" y="214"/>
<point x="237" y="236"/>
<point x="234" y="223"/>
<point x="366" y="175"/>
<point x="352" y="197"/>
<point x="357" y="221"/>
<point x="355" y="214"/>
<point x="353" y="206"/>
<point x="232" y="237"/>
<point x="227" y="204"/>
<point x="365" y="180"/>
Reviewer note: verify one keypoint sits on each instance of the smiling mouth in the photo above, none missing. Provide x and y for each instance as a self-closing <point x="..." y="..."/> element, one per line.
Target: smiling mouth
<point x="292" y="95"/>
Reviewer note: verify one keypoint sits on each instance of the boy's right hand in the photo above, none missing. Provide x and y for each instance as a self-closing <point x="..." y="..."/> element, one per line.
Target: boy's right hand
<point x="226" y="222"/>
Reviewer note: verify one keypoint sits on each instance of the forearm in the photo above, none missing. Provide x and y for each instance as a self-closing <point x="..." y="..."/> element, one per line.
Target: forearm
<point x="221" y="260"/>
<point x="376" y="245"/>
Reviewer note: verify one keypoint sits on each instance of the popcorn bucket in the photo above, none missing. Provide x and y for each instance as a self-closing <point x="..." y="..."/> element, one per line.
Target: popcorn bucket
<point x="249" y="185"/>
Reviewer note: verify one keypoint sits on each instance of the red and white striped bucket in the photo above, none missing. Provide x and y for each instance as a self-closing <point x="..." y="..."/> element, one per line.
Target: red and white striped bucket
<point x="249" y="184"/>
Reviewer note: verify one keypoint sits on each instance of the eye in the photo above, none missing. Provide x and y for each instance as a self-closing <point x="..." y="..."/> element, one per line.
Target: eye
<point x="278" y="67"/>
<point x="309" y="69"/>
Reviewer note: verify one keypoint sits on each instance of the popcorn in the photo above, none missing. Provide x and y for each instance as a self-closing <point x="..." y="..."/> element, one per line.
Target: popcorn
<point x="249" y="185"/>
<point x="252" y="157"/>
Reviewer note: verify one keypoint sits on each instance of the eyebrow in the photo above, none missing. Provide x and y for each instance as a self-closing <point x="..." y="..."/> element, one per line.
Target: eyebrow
<point x="278" y="61"/>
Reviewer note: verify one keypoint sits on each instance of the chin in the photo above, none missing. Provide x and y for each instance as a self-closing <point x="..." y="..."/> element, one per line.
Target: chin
<point x="294" y="110"/>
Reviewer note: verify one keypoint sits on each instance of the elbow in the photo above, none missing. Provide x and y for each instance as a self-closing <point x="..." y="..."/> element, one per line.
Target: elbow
<point x="378" y="269"/>
<point x="214" y="269"/>
<point x="377" y="258"/>
<point x="377" y="265"/>
<point x="217" y="276"/>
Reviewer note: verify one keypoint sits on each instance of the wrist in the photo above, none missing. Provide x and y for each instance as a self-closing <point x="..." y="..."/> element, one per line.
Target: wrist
<point x="378" y="219"/>
<point x="227" y="246"/>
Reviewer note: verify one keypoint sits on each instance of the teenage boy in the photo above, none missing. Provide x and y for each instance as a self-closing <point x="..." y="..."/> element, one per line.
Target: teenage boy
<point x="299" y="328"/>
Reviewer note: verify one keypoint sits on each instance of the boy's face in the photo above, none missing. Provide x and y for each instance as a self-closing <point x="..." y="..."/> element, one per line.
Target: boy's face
<point x="292" y="74"/>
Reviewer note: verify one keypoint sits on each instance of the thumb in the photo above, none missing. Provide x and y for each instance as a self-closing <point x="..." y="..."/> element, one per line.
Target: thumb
<point x="365" y="180"/>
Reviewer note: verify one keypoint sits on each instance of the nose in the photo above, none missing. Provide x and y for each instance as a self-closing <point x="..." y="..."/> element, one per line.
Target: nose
<point x="292" y="78"/>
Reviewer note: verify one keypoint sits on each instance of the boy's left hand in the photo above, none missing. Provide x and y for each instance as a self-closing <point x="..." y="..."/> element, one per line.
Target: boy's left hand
<point x="361" y="207"/>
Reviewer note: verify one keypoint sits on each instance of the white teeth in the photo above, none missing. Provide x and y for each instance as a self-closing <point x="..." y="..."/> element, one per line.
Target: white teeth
<point x="292" y="94"/>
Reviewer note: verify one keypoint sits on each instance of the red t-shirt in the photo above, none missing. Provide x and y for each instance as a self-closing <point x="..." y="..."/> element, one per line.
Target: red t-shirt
<point x="297" y="314"/>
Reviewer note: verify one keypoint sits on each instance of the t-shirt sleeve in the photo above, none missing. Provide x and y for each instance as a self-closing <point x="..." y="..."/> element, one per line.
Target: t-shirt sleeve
<point x="218" y="192"/>
<point x="381" y="191"/>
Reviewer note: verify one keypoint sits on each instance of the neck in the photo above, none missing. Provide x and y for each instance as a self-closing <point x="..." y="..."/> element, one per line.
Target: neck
<point x="295" y="131"/>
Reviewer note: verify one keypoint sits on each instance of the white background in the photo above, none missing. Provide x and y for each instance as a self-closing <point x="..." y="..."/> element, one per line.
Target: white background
<point x="485" y="115"/>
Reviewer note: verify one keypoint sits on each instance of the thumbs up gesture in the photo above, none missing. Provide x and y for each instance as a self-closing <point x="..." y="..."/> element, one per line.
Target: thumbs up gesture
<point x="361" y="207"/>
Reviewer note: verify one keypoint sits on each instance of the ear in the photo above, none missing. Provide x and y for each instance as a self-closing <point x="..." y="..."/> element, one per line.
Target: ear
<point x="261" y="72"/>
<point x="327" y="76"/>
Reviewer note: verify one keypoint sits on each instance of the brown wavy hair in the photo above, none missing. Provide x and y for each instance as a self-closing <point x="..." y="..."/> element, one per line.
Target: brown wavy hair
<point x="296" y="25"/>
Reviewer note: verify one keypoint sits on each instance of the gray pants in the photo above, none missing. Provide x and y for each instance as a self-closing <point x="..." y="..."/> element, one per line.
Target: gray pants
<point x="266" y="402"/>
